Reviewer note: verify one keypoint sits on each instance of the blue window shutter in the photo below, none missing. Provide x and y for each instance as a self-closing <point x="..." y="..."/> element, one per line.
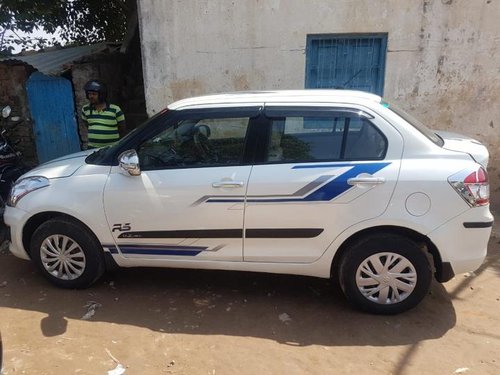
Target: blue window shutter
<point x="354" y="61"/>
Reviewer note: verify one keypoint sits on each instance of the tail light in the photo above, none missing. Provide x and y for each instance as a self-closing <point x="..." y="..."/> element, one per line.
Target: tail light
<point x="473" y="186"/>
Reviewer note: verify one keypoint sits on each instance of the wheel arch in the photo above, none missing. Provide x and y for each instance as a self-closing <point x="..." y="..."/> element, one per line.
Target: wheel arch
<point x="439" y="268"/>
<point x="36" y="220"/>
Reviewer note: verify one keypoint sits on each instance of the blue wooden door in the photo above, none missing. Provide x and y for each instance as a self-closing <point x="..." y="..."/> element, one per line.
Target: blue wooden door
<point x="53" y="112"/>
<point x="355" y="62"/>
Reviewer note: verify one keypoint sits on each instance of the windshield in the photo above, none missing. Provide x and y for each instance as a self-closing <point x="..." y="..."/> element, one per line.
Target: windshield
<point x="414" y="122"/>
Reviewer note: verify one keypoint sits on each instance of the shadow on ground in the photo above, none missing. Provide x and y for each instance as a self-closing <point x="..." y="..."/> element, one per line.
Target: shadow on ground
<point x="292" y="310"/>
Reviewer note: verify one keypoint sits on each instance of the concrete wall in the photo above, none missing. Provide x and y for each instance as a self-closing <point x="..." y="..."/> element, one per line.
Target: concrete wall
<point x="443" y="59"/>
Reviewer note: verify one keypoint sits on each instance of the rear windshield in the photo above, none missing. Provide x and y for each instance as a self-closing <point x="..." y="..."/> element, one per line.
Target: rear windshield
<point x="414" y="122"/>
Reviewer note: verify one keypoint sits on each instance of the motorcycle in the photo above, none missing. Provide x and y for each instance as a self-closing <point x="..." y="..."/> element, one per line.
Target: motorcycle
<point x="11" y="165"/>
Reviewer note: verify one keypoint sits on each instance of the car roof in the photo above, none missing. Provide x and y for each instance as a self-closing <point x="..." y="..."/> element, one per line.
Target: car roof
<point x="279" y="96"/>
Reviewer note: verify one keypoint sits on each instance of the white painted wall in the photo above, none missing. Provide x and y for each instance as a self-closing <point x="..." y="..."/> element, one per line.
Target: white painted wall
<point x="443" y="58"/>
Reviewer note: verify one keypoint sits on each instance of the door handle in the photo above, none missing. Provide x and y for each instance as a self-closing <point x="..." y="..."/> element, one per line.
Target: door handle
<point x="228" y="184"/>
<point x="366" y="180"/>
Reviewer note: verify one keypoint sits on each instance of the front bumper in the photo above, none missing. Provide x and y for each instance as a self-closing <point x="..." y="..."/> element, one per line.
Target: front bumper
<point x="15" y="219"/>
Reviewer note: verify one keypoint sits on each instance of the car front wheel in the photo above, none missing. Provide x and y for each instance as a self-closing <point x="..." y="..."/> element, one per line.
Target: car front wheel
<point x="385" y="274"/>
<point x="67" y="253"/>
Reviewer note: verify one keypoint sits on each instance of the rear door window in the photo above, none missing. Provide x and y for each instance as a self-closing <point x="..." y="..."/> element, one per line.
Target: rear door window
<point x="312" y="135"/>
<point x="415" y="123"/>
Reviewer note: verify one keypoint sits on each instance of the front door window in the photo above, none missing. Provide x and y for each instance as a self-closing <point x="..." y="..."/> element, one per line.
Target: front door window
<point x="196" y="142"/>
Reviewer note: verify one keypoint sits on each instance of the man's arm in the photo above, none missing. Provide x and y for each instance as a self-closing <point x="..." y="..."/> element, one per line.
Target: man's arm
<point x="122" y="128"/>
<point x="83" y="134"/>
<point x="83" y="116"/>
<point x="120" y="118"/>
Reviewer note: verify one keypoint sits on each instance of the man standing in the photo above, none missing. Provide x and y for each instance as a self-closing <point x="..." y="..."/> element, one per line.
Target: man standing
<point x="105" y="121"/>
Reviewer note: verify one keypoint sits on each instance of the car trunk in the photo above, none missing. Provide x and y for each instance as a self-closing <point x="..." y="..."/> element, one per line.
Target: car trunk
<point x="462" y="143"/>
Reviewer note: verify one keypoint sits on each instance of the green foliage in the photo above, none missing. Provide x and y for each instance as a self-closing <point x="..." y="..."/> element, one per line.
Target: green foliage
<point x="76" y="21"/>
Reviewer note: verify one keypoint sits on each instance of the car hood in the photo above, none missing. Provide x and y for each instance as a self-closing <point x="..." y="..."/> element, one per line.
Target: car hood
<point x="462" y="143"/>
<point x="64" y="166"/>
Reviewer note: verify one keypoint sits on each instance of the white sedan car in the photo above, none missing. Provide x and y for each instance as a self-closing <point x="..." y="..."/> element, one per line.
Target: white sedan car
<point x="325" y="183"/>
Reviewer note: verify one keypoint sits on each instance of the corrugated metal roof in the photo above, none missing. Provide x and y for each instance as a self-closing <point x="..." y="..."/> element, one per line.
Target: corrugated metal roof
<point x="56" y="62"/>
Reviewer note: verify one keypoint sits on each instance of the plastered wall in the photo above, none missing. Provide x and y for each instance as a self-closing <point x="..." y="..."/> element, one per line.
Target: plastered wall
<point x="443" y="61"/>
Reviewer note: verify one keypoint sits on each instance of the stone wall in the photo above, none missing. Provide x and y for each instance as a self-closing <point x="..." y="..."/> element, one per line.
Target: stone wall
<point x="13" y="79"/>
<point x="442" y="60"/>
<point x="109" y="72"/>
<point x="122" y="75"/>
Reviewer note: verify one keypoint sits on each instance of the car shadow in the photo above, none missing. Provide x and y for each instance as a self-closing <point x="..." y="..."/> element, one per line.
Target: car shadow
<point x="292" y="310"/>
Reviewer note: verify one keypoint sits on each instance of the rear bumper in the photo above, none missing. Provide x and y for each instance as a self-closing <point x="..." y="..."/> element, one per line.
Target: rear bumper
<point x="462" y="242"/>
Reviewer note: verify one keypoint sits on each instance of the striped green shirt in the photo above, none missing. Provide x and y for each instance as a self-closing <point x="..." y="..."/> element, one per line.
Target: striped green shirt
<point x="103" y="125"/>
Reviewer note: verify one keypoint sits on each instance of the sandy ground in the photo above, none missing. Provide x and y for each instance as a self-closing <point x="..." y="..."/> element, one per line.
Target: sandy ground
<point x="153" y="321"/>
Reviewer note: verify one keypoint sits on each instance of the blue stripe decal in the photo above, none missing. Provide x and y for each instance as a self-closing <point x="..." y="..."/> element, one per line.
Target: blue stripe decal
<point x="339" y="185"/>
<point x="162" y="250"/>
<point x="340" y="165"/>
<point x="112" y="248"/>
<point x="276" y="200"/>
<point x="225" y="200"/>
<point x="325" y="193"/>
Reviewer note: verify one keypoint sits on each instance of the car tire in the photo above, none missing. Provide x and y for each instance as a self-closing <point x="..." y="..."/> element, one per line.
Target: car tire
<point x="368" y="283"/>
<point x="67" y="253"/>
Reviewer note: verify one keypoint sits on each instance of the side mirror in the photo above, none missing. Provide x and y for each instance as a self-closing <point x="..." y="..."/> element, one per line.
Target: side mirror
<point x="129" y="163"/>
<point x="6" y="111"/>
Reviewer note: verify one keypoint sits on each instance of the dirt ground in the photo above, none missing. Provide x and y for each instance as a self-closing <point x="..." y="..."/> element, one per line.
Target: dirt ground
<point x="154" y="321"/>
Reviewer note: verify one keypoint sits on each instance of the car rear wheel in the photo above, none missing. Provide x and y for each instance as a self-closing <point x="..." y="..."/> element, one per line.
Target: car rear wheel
<point x="385" y="274"/>
<point x="67" y="253"/>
